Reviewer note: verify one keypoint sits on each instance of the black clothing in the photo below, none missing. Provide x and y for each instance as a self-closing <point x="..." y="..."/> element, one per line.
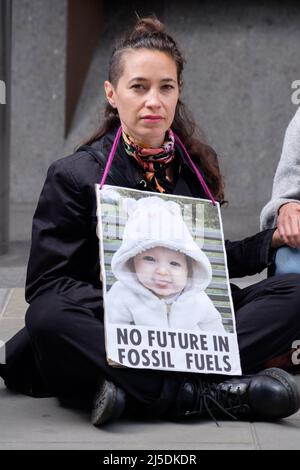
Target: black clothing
<point x="61" y="349"/>
<point x="64" y="250"/>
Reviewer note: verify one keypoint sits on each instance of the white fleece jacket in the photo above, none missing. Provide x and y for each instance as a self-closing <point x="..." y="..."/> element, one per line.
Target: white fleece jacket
<point x="155" y="222"/>
<point x="286" y="184"/>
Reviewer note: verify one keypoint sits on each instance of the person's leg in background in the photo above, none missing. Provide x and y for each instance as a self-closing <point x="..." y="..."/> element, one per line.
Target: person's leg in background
<point x="287" y="260"/>
<point x="267" y="320"/>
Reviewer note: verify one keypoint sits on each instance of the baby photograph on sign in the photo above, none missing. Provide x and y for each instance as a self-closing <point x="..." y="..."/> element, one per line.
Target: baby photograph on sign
<point x="166" y="292"/>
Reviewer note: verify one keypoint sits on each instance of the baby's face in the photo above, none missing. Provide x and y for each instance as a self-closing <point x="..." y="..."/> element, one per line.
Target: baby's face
<point x="162" y="270"/>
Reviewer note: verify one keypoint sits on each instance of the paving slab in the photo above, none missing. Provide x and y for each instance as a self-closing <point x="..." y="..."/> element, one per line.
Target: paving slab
<point x="16" y="306"/>
<point x="16" y="256"/>
<point x="120" y="447"/>
<point x="13" y="276"/>
<point x="281" y="436"/>
<point x="13" y="265"/>
<point x="12" y="313"/>
<point x="43" y="423"/>
<point x="28" y="423"/>
<point x="3" y="299"/>
<point x="9" y="326"/>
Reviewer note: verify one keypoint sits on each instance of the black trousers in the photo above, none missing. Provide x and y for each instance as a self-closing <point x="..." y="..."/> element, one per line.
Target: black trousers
<point x="61" y="349"/>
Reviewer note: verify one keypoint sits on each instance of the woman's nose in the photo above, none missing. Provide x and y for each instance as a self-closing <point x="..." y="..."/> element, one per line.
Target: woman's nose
<point x="153" y="99"/>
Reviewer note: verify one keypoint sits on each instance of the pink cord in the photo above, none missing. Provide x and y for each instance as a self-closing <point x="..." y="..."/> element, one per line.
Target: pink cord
<point x="200" y="177"/>
<point x="114" y="149"/>
<point x="111" y="156"/>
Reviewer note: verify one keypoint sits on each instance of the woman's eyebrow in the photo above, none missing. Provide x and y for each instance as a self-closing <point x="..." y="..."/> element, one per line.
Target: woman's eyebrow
<point x="168" y="80"/>
<point x="143" y="79"/>
<point x="138" y="79"/>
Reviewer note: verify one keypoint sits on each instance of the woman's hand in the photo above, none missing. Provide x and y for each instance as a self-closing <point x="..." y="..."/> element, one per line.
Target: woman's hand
<point x="288" y="224"/>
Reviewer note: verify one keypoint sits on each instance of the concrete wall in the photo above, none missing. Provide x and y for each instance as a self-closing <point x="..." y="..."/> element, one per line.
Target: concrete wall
<point x="5" y="66"/>
<point x="241" y="63"/>
<point x="38" y="92"/>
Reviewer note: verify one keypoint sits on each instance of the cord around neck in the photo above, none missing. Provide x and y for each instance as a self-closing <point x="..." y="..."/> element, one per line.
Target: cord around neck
<point x="177" y="139"/>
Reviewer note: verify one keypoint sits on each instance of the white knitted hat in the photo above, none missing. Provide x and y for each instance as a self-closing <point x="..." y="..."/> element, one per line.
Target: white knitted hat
<point x="154" y="222"/>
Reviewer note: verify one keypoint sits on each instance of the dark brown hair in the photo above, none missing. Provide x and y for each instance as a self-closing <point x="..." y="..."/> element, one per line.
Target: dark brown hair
<point x="149" y="33"/>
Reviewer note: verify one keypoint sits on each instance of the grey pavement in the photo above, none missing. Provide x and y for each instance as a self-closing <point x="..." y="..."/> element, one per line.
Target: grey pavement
<point x="30" y="423"/>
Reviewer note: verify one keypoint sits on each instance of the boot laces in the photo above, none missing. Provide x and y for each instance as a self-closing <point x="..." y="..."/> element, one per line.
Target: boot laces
<point x="210" y="397"/>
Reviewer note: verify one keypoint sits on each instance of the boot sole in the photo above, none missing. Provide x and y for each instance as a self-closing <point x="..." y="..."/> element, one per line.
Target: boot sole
<point x="288" y="381"/>
<point x="109" y="404"/>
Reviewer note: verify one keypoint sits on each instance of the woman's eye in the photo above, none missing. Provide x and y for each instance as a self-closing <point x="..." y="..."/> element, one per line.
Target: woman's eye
<point x="138" y="87"/>
<point x="174" y="263"/>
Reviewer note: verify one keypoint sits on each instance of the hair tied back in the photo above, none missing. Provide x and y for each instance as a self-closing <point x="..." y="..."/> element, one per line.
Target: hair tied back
<point x="145" y="26"/>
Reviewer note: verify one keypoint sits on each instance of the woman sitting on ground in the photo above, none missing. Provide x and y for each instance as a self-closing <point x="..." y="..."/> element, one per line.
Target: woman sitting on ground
<point x="61" y="350"/>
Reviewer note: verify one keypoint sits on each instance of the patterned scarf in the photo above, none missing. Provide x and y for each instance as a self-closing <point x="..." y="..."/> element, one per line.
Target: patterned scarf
<point x="153" y="161"/>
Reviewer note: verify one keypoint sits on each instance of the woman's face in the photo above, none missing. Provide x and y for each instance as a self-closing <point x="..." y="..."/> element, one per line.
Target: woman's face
<point x="145" y="95"/>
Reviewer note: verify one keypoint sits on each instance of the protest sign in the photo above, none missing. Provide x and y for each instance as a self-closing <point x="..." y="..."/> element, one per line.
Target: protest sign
<point x="166" y="291"/>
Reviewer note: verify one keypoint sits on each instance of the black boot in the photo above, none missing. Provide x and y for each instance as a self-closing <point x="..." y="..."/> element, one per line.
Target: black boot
<point x="109" y="403"/>
<point x="269" y="395"/>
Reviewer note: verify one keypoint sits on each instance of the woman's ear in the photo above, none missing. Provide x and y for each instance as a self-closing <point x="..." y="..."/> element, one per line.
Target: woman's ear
<point x="110" y="93"/>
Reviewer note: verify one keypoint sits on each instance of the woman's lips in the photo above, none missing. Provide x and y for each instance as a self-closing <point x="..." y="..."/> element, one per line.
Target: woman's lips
<point x="152" y="118"/>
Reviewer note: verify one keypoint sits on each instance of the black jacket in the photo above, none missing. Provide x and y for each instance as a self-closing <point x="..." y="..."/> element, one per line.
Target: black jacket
<point x="64" y="253"/>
